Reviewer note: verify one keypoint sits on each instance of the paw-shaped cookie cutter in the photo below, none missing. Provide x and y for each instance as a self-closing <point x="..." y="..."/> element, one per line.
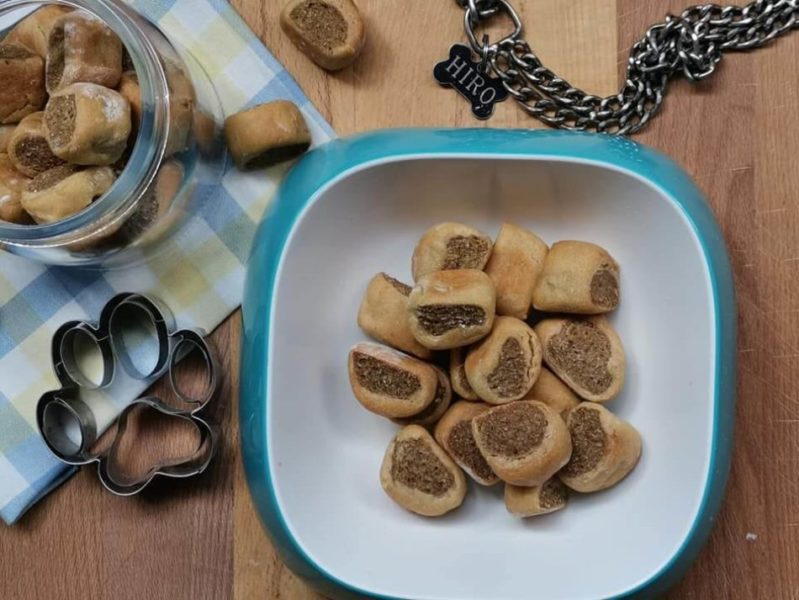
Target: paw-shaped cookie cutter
<point x="69" y="426"/>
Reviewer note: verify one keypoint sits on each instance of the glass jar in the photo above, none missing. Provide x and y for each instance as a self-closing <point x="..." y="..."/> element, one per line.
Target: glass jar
<point x="178" y="148"/>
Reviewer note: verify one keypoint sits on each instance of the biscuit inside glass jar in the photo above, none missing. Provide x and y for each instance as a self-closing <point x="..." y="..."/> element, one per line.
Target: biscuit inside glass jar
<point x="166" y="77"/>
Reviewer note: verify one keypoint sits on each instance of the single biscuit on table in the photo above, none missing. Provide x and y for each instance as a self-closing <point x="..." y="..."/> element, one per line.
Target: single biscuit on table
<point x="578" y="277"/>
<point x="451" y="308"/>
<point x="82" y="48"/>
<point x="267" y="134"/>
<point x="449" y="246"/>
<point x="28" y="149"/>
<point x="524" y="442"/>
<point x="61" y="192"/>
<point x="454" y="433"/>
<point x="606" y="449"/>
<point x="22" y="76"/>
<point x="439" y="405"/>
<point x="6" y="131"/>
<point x="457" y="374"/>
<point x="12" y="184"/>
<point x="419" y="476"/>
<point x="537" y="500"/>
<point x="553" y="392"/>
<point x="390" y="383"/>
<point x="384" y="315"/>
<point x="515" y="265"/>
<point x="586" y="354"/>
<point x="330" y="32"/>
<point x="504" y="365"/>
<point x="33" y="31"/>
<point x="88" y="124"/>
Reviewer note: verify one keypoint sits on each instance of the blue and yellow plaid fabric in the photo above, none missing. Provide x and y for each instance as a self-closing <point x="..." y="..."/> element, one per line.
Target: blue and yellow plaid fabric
<point x="200" y="276"/>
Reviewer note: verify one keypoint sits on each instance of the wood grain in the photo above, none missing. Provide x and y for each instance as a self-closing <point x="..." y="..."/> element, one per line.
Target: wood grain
<point x="736" y="136"/>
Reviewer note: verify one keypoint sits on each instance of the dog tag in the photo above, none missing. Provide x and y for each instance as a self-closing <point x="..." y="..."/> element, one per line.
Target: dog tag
<point x="462" y="73"/>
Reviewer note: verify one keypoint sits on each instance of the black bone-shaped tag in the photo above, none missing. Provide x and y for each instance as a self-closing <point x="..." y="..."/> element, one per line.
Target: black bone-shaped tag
<point x="462" y="73"/>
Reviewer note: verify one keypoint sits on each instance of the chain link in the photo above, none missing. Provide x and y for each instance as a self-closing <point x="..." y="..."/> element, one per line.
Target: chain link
<point x="691" y="44"/>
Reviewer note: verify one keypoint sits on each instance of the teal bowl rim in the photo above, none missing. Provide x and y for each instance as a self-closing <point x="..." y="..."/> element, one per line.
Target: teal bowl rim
<point x="321" y="167"/>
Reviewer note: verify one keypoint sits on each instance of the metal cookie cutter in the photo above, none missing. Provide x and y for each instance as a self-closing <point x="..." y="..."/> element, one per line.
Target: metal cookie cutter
<point x="65" y="418"/>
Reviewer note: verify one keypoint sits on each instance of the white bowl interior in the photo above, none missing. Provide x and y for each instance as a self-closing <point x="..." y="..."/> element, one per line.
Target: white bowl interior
<point x="326" y="449"/>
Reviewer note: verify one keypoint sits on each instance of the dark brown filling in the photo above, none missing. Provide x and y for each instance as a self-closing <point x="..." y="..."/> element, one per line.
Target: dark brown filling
<point x="463" y="448"/>
<point x="33" y="152"/>
<point x="513" y="430"/>
<point x="441" y="392"/>
<point x="581" y="351"/>
<point x="437" y="319"/>
<point x="51" y="177"/>
<point x="322" y="23"/>
<point x="588" y="442"/>
<point x="402" y="288"/>
<point x="276" y="155"/>
<point x="380" y="377"/>
<point x="605" y="288"/>
<point x="127" y="62"/>
<point x="415" y="465"/>
<point x="512" y="373"/>
<point x="466" y="252"/>
<point x="55" y="58"/>
<point x="464" y="382"/>
<point x="553" y="493"/>
<point x="12" y="51"/>
<point x="60" y="119"/>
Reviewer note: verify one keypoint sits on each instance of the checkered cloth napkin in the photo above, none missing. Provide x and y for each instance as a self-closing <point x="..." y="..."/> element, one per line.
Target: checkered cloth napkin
<point x="200" y="276"/>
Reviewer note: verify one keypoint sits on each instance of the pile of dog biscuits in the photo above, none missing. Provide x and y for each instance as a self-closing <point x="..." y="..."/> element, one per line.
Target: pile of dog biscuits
<point x="65" y="124"/>
<point x="506" y="401"/>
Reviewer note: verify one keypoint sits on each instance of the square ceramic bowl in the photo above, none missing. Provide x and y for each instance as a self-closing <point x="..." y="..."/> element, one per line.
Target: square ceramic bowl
<point x="312" y="453"/>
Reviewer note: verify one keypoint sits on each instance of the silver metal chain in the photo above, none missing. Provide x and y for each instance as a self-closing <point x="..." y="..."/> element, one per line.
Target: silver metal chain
<point x="690" y="44"/>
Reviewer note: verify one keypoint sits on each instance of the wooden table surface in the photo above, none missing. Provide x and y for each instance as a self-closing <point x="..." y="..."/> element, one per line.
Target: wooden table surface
<point x="735" y="134"/>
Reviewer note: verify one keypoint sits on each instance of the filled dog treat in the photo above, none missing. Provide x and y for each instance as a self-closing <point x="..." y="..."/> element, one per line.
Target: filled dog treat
<point x="436" y="408"/>
<point x="22" y="91"/>
<point x="553" y="392"/>
<point x="204" y="130"/>
<point x="64" y="191"/>
<point x="605" y="449"/>
<point x="6" y="131"/>
<point x="28" y="149"/>
<point x="143" y="221"/>
<point x="419" y="476"/>
<point x="129" y="88"/>
<point x="524" y="442"/>
<point x="181" y="110"/>
<point x="450" y="246"/>
<point x="578" y="277"/>
<point x="454" y="433"/>
<point x="457" y="374"/>
<point x="389" y="382"/>
<point x="12" y="184"/>
<point x="88" y="124"/>
<point x="33" y="31"/>
<point x="330" y="32"/>
<point x="82" y="48"/>
<point x="267" y="134"/>
<point x="537" y="500"/>
<point x="503" y="366"/>
<point x="515" y="264"/>
<point x="585" y="353"/>
<point x="451" y="308"/>
<point x="384" y="315"/>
